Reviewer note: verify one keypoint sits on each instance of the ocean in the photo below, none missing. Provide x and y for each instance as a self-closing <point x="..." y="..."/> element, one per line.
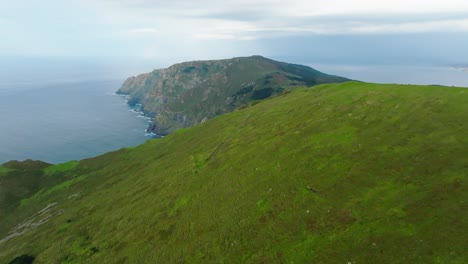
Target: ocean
<point x="67" y="121"/>
<point x="424" y="74"/>
<point x="69" y="111"/>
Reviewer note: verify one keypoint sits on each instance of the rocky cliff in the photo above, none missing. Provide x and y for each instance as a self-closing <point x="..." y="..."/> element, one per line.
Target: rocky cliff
<point x="189" y="93"/>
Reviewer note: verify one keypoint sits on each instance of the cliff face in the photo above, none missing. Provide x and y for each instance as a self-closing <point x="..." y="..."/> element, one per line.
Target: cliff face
<point x="188" y="93"/>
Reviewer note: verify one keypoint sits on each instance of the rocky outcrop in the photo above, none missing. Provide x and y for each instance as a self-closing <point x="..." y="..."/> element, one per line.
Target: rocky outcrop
<point x="188" y="93"/>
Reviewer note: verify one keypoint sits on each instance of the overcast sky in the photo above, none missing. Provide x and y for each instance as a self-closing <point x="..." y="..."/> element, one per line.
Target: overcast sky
<point x="325" y="30"/>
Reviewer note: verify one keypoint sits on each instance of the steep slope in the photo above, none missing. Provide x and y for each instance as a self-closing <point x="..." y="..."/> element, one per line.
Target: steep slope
<point x="337" y="173"/>
<point x="189" y="93"/>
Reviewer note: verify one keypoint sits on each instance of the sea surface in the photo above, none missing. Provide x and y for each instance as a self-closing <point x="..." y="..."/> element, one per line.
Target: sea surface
<point x="423" y="74"/>
<point x="66" y="121"/>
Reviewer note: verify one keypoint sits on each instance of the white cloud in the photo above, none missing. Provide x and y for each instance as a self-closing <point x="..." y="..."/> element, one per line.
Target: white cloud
<point x="144" y="31"/>
<point x="460" y="25"/>
<point x="180" y="25"/>
<point x="291" y="7"/>
<point x="371" y="7"/>
<point x="249" y="31"/>
<point x="248" y="20"/>
<point x="208" y="36"/>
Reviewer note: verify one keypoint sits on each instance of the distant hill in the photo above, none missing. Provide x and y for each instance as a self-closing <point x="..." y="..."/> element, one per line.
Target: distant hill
<point x="20" y="180"/>
<point x="189" y="93"/>
<point x="336" y="173"/>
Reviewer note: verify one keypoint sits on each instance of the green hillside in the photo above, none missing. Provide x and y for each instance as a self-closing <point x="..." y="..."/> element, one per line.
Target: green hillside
<point x="189" y="93"/>
<point x="337" y="173"/>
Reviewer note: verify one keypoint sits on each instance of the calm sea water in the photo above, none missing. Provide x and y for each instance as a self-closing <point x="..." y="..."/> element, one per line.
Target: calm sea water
<point x="67" y="121"/>
<point x="402" y="74"/>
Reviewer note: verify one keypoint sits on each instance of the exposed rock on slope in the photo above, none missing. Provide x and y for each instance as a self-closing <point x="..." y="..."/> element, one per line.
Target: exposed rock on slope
<point x="185" y="94"/>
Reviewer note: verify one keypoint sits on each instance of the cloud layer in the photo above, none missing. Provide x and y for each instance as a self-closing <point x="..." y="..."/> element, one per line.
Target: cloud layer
<point x="151" y="28"/>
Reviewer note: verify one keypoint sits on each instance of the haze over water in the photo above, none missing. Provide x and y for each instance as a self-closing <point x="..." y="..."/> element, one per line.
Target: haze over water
<point x="401" y="74"/>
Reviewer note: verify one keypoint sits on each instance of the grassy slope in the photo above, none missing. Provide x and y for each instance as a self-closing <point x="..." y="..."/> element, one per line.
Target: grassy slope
<point x="387" y="165"/>
<point x="22" y="183"/>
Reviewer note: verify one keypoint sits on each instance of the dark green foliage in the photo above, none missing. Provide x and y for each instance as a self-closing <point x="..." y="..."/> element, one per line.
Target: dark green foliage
<point x="21" y="180"/>
<point x="338" y="173"/>
<point x="24" y="181"/>
<point x="262" y="93"/>
<point x="4" y="170"/>
<point x="23" y="259"/>
<point x="26" y="165"/>
<point x="188" y="69"/>
<point x="245" y="90"/>
<point x="78" y="250"/>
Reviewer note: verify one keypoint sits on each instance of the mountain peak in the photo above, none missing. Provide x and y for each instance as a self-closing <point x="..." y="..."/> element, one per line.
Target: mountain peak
<point x="187" y="93"/>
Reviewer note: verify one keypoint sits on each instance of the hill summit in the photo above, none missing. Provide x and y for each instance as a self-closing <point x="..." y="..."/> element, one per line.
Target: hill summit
<point x="189" y="93"/>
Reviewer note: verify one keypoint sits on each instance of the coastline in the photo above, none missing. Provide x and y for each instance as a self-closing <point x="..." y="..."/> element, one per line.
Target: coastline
<point x="70" y="122"/>
<point x="137" y="109"/>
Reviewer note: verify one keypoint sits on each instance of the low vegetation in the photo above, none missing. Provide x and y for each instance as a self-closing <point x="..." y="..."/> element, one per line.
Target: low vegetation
<point x="4" y="170"/>
<point x="61" y="168"/>
<point x="337" y="173"/>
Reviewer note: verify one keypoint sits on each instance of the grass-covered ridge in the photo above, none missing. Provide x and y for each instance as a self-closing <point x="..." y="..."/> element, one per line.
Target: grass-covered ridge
<point x="66" y="167"/>
<point x="4" y="170"/>
<point x="353" y="172"/>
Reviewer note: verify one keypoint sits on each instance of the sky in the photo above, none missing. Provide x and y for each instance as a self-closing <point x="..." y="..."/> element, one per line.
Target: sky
<point x="393" y="31"/>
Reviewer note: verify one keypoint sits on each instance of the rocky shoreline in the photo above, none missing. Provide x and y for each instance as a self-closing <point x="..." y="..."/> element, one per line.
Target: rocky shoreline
<point x="138" y="109"/>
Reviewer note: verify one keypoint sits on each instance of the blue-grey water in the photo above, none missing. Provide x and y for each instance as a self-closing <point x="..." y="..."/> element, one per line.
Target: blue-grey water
<point x="66" y="121"/>
<point x="447" y="75"/>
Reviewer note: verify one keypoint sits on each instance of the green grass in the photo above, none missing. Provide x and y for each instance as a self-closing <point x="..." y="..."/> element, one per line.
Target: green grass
<point x="61" y="168"/>
<point x="25" y="183"/>
<point x="43" y="193"/>
<point x="4" y="170"/>
<point x="339" y="173"/>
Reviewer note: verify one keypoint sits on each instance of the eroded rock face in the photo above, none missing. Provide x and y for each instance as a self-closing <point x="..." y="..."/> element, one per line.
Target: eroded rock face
<point x="185" y="94"/>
